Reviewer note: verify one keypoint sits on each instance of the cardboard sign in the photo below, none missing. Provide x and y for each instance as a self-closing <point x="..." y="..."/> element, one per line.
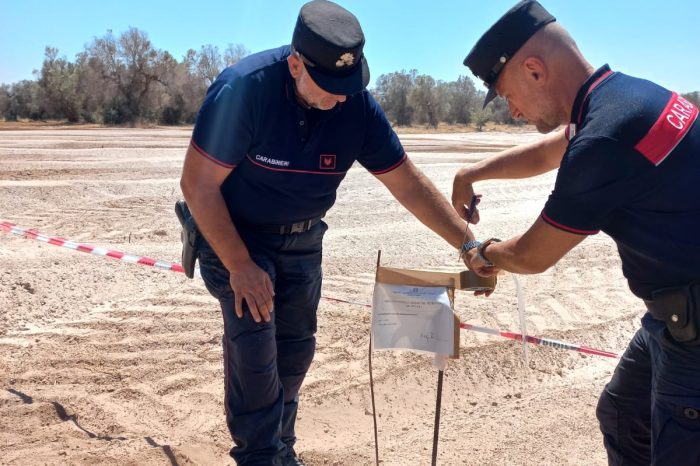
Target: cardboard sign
<point x="412" y="309"/>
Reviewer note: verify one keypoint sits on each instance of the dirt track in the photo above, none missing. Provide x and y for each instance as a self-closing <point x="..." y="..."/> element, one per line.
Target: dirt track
<point x="103" y="362"/>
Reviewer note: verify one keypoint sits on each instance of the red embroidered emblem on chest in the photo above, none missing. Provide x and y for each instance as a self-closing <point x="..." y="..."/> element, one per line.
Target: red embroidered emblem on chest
<point x="327" y="162"/>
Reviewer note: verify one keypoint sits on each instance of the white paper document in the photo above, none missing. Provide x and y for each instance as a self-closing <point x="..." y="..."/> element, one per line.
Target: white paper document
<point x="413" y="317"/>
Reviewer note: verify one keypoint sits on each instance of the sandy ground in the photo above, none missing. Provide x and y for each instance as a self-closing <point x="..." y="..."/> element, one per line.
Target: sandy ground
<point x="103" y="362"/>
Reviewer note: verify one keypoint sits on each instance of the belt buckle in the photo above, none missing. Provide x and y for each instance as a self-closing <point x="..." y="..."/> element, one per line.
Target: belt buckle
<point x="298" y="227"/>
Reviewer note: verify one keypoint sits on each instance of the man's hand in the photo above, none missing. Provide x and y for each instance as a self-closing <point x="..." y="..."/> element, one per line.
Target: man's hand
<point x="253" y="284"/>
<point x="463" y="197"/>
<point x="479" y="267"/>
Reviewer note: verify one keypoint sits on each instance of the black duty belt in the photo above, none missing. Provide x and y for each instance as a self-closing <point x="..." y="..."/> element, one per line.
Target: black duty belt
<point x="299" y="227"/>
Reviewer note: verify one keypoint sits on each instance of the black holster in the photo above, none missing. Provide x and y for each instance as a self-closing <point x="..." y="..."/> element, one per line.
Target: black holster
<point x="190" y="237"/>
<point x="679" y="308"/>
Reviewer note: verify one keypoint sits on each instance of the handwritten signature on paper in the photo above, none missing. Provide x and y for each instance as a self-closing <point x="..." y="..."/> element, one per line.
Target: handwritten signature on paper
<point x="428" y="337"/>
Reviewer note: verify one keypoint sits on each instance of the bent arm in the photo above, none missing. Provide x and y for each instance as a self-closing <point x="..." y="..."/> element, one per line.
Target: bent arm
<point x="201" y="185"/>
<point x="420" y="196"/>
<point x="521" y="161"/>
<point x="517" y="162"/>
<point x="535" y="251"/>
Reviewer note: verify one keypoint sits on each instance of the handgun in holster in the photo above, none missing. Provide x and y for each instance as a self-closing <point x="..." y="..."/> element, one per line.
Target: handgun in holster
<point x="679" y="308"/>
<point x="190" y="237"/>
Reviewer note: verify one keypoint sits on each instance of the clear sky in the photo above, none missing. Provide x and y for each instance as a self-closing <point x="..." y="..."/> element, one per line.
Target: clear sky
<point x="654" y="39"/>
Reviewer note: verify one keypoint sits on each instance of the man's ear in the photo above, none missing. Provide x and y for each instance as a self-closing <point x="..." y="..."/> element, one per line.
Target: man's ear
<point x="535" y="70"/>
<point x="295" y="65"/>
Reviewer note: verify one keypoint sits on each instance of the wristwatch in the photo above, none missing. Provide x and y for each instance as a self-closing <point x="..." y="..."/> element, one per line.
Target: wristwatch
<point x="480" y="250"/>
<point x="468" y="246"/>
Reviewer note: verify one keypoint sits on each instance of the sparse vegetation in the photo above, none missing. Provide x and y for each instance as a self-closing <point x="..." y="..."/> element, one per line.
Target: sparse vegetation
<point x="125" y="80"/>
<point x="118" y="80"/>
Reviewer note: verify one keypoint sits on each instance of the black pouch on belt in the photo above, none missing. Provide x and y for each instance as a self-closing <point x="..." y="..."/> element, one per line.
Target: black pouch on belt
<point x="679" y="308"/>
<point x="190" y="237"/>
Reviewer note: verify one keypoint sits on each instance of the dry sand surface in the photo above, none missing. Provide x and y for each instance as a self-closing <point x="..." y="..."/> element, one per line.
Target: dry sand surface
<point x="104" y="362"/>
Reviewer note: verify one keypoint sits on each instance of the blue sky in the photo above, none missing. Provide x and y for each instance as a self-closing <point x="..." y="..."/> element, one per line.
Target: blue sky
<point x="653" y="39"/>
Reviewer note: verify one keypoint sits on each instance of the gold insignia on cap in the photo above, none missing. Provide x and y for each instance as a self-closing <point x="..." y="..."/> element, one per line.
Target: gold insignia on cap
<point x="345" y="59"/>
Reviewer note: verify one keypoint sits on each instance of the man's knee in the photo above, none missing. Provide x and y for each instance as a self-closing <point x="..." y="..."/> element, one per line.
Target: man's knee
<point x="251" y="360"/>
<point x="295" y="356"/>
<point x="293" y="361"/>
<point x="626" y="429"/>
<point x="607" y="413"/>
<point x="608" y="421"/>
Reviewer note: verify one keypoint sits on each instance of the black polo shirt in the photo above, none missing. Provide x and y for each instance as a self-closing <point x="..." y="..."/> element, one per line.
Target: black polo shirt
<point x="632" y="170"/>
<point x="288" y="160"/>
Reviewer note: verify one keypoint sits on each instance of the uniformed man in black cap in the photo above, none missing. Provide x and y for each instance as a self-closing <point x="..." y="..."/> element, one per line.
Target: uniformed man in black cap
<point x="628" y="163"/>
<point x="274" y="138"/>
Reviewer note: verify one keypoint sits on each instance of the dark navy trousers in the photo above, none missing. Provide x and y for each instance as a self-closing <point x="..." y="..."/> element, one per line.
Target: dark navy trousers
<point x="265" y="363"/>
<point x="649" y="413"/>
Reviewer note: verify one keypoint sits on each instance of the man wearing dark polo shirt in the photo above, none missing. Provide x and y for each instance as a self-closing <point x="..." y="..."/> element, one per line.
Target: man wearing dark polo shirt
<point x="629" y="165"/>
<point x="275" y="136"/>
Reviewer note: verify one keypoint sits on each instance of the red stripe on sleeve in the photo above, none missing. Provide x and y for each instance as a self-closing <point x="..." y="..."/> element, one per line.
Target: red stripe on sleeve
<point x="396" y="165"/>
<point x="668" y="131"/>
<point x="565" y="228"/>
<point x="210" y="157"/>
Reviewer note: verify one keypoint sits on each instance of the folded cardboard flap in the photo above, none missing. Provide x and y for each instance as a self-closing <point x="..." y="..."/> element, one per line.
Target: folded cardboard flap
<point x="465" y="280"/>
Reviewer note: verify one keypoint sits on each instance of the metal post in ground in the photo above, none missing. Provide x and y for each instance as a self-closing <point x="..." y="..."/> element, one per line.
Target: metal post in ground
<point x="439" y="363"/>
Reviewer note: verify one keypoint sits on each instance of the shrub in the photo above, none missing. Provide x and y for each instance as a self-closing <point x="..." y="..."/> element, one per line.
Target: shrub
<point x="117" y="112"/>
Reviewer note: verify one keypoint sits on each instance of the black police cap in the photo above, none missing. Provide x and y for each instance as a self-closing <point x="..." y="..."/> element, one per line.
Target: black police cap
<point x="498" y="45"/>
<point x="330" y="41"/>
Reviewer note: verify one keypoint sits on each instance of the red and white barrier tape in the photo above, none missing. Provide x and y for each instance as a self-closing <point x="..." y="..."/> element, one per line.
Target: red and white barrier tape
<point x="514" y="336"/>
<point x="142" y="260"/>
<point x="540" y="341"/>
<point x="98" y="251"/>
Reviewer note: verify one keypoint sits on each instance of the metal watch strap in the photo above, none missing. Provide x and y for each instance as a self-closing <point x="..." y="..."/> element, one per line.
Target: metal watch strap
<point x="469" y="245"/>
<point x="482" y="246"/>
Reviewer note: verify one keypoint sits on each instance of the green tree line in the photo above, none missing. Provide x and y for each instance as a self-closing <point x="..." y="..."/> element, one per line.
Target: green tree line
<point x="409" y="98"/>
<point x="125" y="80"/>
<point x="117" y="81"/>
